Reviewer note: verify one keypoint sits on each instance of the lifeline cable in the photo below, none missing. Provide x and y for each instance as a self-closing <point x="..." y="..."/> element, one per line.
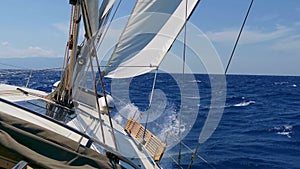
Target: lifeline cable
<point x="150" y="102"/>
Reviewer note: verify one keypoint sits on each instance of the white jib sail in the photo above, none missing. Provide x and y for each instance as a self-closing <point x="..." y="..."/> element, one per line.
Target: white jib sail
<point x="151" y="30"/>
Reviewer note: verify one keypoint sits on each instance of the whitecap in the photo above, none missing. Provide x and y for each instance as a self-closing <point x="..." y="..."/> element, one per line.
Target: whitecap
<point x="172" y="127"/>
<point x="281" y="83"/>
<point x="4" y="82"/>
<point x="288" y="127"/>
<point x="285" y="130"/>
<point x="192" y="97"/>
<point x="244" y="103"/>
<point x="197" y="81"/>
<point x="285" y="133"/>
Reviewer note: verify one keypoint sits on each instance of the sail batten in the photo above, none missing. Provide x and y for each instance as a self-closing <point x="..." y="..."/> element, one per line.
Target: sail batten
<point x="151" y="30"/>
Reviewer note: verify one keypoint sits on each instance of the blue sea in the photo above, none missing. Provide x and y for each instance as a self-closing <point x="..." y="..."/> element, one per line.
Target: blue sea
<point x="259" y="128"/>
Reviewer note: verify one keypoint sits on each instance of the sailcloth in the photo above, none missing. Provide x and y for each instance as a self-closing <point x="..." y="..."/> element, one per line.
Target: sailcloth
<point x="151" y="30"/>
<point x="92" y="7"/>
<point x="105" y="7"/>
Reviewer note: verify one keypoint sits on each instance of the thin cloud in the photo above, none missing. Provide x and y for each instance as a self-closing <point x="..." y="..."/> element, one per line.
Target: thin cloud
<point x="32" y="51"/>
<point x="5" y="43"/>
<point x="297" y="23"/>
<point x="290" y="43"/>
<point x="61" y="27"/>
<point x="249" y="36"/>
<point x="268" y="17"/>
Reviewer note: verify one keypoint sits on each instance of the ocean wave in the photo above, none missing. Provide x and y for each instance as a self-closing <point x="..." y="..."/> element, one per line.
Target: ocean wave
<point x="281" y="83"/>
<point x="285" y="133"/>
<point x="192" y="97"/>
<point x="244" y="103"/>
<point x="172" y="127"/>
<point x="226" y="106"/>
<point x="285" y="130"/>
<point x="196" y="81"/>
<point x="3" y="82"/>
<point x="286" y="84"/>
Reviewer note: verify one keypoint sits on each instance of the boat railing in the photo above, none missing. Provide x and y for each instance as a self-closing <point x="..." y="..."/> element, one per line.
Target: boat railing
<point x="154" y="147"/>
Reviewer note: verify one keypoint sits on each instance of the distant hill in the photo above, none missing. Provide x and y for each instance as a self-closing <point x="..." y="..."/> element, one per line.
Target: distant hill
<point x="31" y="63"/>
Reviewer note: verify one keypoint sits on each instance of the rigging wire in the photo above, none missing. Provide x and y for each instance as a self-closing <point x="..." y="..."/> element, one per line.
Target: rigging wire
<point x="150" y="101"/>
<point x="96" y="97"/>
<point x="183" y="68"/>
<point x="66" y="54"/>
<point x="231" y="56"/>
<point x="89" y="35"/>
<point x="105" y="32"/>
<point x="93" y="53"/>
<point x="108" y="26"/>
<point x="104" y="95"/>
<point x="238" y="38"/>
<point x="193" y="157"/>
<point x="173" y="159"/>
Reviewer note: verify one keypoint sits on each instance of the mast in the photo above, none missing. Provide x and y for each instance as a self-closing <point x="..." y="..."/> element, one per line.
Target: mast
<point x="63" y="92"/>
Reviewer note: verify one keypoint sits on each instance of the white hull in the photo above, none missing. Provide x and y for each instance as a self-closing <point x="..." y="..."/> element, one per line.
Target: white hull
<point x="84" y="128"/>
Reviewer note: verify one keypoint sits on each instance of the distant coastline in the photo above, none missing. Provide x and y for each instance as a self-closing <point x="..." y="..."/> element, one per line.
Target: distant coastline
<point x="41" y="63"/>
<point x="31" y="63"/>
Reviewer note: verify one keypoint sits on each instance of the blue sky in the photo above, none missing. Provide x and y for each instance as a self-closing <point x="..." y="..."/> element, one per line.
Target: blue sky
<point x="270" y="43"/>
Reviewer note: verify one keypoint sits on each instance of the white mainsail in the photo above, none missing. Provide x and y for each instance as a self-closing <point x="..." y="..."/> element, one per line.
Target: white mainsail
<point x="150" y="32"/>
<point x="93" y="14"/>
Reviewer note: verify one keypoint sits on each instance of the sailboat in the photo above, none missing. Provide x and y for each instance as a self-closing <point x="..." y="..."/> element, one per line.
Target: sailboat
<point x="72" y="126"/>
